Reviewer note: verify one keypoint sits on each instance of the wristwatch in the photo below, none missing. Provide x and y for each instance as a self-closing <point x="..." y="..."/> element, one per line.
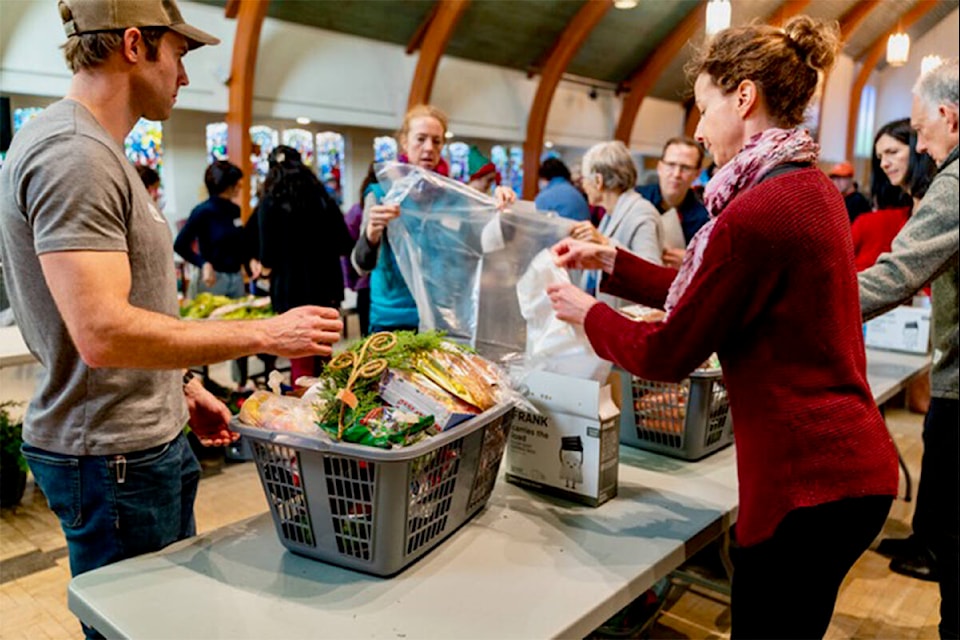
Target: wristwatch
<point x="188" y="376"/>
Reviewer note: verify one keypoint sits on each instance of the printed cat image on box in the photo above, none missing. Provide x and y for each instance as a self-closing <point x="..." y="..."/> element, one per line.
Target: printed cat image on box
<point x="571" y="461"/>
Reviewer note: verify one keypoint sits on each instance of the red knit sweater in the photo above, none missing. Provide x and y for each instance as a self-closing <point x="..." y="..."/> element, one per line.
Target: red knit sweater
<point x="776" y="298"/>
<point x="873" y="234"/>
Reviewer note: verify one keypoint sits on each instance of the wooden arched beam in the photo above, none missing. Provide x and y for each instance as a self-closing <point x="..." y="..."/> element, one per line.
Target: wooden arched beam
<point x="855" y="16"/>
<point x="565" y="47"/>
<point x="250" y="14"/>
<point x="787" y="10"/>
<point x="869" y="63"/>
<point x="692" y="119"/>
<point x="434" y="40"/>
<point x="848" y="24"/>
<point x="647" y="74"/>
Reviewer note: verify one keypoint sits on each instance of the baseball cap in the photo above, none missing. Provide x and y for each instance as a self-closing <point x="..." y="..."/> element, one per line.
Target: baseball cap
<point x="94" y="16"/>
<point x="841" y="170"/>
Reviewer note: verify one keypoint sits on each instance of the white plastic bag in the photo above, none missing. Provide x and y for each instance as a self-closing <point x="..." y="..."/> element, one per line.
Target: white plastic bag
<point x="552" y="344"/>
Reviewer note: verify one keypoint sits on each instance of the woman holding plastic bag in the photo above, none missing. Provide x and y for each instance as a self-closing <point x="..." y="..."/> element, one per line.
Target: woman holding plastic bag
<point x="769" y="285"/>
<point x="392" y="306"/>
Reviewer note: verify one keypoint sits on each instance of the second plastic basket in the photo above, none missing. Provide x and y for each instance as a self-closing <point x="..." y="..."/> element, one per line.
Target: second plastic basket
<point x="371" y="509"/>
<point x="687" y="420"/>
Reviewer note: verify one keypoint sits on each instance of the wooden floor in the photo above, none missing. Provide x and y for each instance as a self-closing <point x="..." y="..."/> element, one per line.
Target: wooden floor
<point x="873" y="602"/>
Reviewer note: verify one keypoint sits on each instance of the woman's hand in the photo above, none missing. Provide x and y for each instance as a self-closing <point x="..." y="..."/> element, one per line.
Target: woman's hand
<point x="380" y="217"/>
<point x="673" y="257"/>
<point x="570" y="303"/>
<point x="577" y="254"/>
<point x="209" y="276"/>
<point x="585" y="231"/>
<point x="504" y="197"/>
<point x="208" y="416"/>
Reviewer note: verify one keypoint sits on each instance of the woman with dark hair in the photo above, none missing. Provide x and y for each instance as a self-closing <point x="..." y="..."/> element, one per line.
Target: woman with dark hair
<point x="214" y="226"/>
<point x="900" y="179"/>
<point x="302" y="236"/>
<point x="768" y="284"/>
<point x="899" y="176"/>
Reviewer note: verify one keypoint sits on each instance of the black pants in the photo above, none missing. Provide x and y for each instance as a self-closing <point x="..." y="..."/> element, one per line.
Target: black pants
<point x="363" y="310"/>
<point x="786" y="587"/>
<point x="937" y="517"/>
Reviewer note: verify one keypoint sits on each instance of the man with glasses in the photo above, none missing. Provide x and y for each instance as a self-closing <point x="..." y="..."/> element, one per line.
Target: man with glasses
<point x="673" y="197"/>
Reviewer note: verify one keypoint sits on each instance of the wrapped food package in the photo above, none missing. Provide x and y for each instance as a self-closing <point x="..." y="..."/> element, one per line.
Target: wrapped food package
<point x="415" y="392"/>
<point x="279" y="413"/>
<point x="663" y="411"/>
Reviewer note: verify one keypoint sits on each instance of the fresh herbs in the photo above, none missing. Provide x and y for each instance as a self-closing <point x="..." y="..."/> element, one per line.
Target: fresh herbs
<point x="403" y="356"/>
<point x="11" y="435"/>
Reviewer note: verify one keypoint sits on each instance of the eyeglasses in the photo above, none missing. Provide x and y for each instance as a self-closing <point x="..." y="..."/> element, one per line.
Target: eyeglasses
<point x="676" y="166"/>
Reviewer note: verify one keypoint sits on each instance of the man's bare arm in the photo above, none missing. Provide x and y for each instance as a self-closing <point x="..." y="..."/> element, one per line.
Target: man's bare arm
<point x="92" y="290"/>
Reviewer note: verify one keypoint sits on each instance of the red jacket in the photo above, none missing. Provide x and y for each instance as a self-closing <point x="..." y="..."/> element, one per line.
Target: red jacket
<point x="873" y="233"/>
<point x="776" y="298"/>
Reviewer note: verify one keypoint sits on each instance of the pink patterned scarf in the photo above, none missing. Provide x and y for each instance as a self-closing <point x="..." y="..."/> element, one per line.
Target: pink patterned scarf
<point x="763" y="152"/>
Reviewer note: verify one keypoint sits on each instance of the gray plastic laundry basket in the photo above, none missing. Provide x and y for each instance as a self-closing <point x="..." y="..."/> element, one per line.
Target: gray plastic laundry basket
<point x="377" y="510"/>
<point x="688" y="419"/>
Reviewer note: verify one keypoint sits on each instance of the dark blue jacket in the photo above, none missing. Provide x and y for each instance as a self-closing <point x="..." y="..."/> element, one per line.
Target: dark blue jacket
<point x="693" y="214"/>
<point x="215" y="225"/>
<point x="561" y="196"/>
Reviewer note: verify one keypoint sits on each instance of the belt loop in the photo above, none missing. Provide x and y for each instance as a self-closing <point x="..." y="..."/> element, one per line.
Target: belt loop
<point x="120" y="464"/>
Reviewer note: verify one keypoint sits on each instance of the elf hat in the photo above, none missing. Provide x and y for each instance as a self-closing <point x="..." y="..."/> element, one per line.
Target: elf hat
<point x="479" y="165"/>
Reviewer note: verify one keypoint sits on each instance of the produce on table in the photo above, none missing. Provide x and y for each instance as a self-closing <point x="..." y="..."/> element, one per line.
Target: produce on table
<point x="208" y="305"/>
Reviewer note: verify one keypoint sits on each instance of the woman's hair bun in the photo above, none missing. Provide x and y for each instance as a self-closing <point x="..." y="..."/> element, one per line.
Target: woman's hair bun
<point x="817" y="41"/>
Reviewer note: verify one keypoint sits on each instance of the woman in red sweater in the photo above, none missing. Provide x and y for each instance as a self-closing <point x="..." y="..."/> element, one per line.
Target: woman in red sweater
<point x="899" y="175"/>
<point x="769" y="285"/>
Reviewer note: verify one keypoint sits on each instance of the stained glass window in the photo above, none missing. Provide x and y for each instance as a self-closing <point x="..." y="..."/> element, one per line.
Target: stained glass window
<point x="863" y="145"/>
<point x="384" y="149"/>
<point x="330" y="155"/>
<point x="24" y="115"/>
<point x="457" y="153"/>
<point x="509" y="162"/>
<point x="302" y="141"/>
<point x="263" y="140"/>
<point x="216" y="141"/>
<point x="144" y="144"/>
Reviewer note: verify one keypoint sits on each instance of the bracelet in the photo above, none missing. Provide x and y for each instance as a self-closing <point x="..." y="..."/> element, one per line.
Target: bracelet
<point x="188" y="376"/>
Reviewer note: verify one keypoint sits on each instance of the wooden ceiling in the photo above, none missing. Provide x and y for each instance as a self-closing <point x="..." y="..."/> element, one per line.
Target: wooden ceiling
<point x="520" y="34"/>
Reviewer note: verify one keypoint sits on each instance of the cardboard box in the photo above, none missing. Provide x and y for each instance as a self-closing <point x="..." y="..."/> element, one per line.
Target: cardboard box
<point x="570" y="446"/>
<point x="901" y="329"/>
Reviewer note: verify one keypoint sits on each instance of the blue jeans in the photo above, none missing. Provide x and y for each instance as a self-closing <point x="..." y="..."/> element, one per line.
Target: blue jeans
<point x="116" y="507"/>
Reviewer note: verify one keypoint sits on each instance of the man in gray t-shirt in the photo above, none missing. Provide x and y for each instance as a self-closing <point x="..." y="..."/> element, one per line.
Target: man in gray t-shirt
<point x="89" y="266"/>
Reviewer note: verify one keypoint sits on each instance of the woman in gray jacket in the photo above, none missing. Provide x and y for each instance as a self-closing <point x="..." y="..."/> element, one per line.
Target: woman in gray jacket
<point x="609" y="177"/>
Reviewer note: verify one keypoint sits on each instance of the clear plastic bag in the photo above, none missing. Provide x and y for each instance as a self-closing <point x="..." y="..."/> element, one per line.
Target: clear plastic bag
<point x="462" y="259"/>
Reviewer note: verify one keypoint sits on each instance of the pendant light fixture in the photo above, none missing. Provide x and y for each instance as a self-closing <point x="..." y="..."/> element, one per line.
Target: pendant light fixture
<point x="718" y="16"/>
<point x="898" y="49"/>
